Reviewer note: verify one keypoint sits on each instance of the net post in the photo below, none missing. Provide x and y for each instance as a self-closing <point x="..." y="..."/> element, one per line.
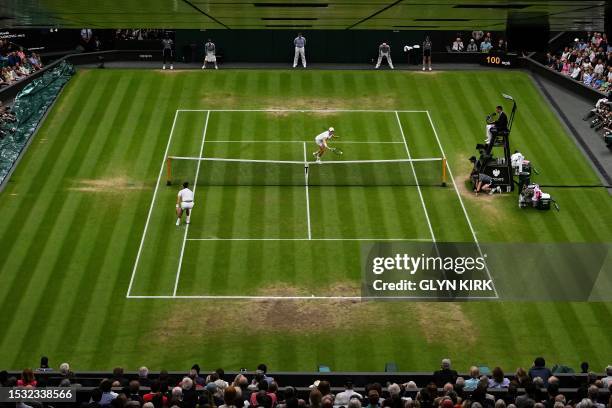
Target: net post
<point x="168" y="171"/>
<point x="444" y="172"/>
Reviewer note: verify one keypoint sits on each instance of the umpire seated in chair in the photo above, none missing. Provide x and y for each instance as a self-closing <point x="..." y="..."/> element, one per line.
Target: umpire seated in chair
<point x="496" y="127"/>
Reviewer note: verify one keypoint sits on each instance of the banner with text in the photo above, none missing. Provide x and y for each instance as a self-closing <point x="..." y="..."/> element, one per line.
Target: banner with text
<point x="467" y="271"/>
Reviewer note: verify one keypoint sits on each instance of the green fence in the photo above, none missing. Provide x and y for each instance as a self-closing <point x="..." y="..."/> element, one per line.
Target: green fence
<point x="29" y="107"/>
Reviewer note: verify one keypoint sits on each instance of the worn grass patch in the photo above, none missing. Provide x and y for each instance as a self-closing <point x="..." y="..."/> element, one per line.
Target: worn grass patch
<point x="112" y="185"/>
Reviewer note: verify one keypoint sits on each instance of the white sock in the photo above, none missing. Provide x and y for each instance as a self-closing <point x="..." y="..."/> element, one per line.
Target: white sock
<point x="188" y="218"/>
<point x="178" y="221"/>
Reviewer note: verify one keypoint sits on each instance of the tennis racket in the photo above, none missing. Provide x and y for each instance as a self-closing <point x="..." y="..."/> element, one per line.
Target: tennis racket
<point x="336" y="150"/>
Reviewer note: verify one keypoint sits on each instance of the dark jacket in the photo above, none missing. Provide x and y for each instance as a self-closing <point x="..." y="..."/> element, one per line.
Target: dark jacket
<point x="444" y="376"/>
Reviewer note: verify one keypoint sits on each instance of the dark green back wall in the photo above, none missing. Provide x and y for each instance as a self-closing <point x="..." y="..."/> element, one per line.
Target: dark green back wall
<point x="349" y="46"/>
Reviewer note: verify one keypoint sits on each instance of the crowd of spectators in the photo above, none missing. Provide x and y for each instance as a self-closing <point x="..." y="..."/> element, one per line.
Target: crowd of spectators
<point x="139" y="34"/>
<point x="478" y="41"/>
<point x="15" y="63"/>
<point x="537" y="387"/>
<point x="588" y="59"/>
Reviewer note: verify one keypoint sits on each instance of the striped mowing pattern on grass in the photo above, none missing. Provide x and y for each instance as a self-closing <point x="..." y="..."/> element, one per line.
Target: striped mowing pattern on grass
<point x="72" y="216"/>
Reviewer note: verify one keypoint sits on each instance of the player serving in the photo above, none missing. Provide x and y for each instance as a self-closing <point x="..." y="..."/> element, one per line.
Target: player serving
<point x="184" y="202"/>
<point x="321" y="141"/>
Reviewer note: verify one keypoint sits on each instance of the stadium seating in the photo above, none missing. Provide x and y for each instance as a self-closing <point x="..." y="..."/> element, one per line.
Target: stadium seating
<point x="572" y="386"/>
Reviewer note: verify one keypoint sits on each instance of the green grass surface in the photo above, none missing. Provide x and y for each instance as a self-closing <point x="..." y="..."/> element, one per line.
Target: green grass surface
<point x="73" y="215"/>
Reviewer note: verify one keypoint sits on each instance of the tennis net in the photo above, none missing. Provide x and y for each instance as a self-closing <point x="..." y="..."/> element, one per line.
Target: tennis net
<point x="239" y="172"/>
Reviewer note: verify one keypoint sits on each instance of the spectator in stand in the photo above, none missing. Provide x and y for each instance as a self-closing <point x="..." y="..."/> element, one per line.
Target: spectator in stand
<point x="44" y="365"/>
<point x="485" y="45"/>
<point x="118" y="378"/>
<point x="108" y="395"/>
<point x="133" y="393"/>
<point x="143" y="376"/>
<point x="343" y="398"/>
<point x="539" y="369"/>
<point x="445" y="374"/>
<point x="373" y="400"/>
<point x="472" y="382"/>
<point x="155" y="393"/>
<point x="176" y="397"/>
<point x="457" y="45"/>
<point x="86" y="40"/>
<point x="263" y="369"/>
<point x="189" y="393"/>
<point x="13" y="59"/>
<point x="477" y="35"/>
<point x="194" y="374"/>
<point x="314" y="398"/>
<point x="472" y="46"/>
<point x="27" y="379"/>
<point x="607" y="380"/>
<point x="498" y="380"/>
<point x="96" y="397"/>
<point x="229" y="398"/>
<point x="575" y="71"/>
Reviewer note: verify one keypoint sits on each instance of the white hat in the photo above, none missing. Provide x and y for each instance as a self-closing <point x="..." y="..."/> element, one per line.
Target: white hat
<point x="331" y="129"/>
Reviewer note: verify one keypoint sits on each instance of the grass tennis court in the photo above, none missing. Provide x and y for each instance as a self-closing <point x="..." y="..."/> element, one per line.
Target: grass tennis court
<point x="73" y="216"/>
<point x="316" y="219"/>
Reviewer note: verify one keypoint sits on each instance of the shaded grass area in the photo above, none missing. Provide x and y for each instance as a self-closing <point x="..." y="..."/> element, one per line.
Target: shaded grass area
<point x="73" y="214"/>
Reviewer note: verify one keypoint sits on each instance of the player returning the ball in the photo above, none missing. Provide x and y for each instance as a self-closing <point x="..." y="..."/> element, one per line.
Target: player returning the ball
<point x="321" y="141"/>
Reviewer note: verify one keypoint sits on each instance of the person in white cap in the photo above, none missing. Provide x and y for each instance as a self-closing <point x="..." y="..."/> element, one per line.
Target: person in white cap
<point x="384" y="50"/>
<point x="321" y="141"/>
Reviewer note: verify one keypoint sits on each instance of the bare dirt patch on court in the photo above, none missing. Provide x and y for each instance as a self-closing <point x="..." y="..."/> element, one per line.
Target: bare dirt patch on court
<point x="277" y="105"/>
<point x="359" y="102"/>
<point x="439" y="323"/>
<point x="115" y="185"/>
<point x="488" y="205"/>
<point x="187" y="318"/>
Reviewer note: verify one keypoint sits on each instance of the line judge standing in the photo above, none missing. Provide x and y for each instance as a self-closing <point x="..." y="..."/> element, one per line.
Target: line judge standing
<point x="384" y="50"/>
<point x="210" y="51"/>
<point x="300" y="50"/>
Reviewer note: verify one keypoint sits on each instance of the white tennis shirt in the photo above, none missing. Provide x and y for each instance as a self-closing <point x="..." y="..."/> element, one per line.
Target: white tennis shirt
<point x="186" y="194"/>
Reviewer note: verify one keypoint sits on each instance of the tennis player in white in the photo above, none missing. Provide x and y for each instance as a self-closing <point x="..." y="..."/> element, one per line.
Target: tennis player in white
<point x="184" y="202"/>
<point x="321" y="141"/>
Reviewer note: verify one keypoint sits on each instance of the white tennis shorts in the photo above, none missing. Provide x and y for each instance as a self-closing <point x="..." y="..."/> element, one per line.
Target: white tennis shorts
<point x="186" y="205"/>
<point x="320" y="142"/>
<point x="210" y="57"/>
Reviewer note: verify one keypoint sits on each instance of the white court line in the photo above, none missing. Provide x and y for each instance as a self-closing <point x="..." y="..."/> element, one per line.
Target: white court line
<point x="302" y="141"/>
<point x="304" y="110"/>
<point x="467" y="217"/>
<point x="313" y="239"/>
<point x="195" y="185"/>
<point x="222" y="159"/>
<point x="416" y="180"/>
<point x="307" y="194"/>
<point x="144" y="233"/>
<point x="312" y="297"/>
